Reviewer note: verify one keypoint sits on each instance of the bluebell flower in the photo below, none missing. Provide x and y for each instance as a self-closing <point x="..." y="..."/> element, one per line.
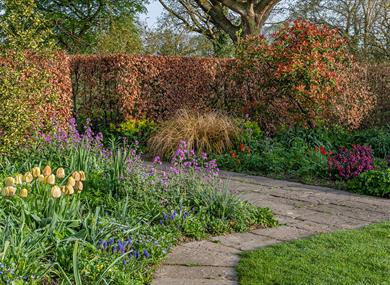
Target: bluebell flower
<point x="124" y="261"/>
<point x="111" y="242"/>
<point x="161" y="222"/>
<point x="136" y="254"/>
<point x="146" y="253"/>
<point x="165" y="216"/>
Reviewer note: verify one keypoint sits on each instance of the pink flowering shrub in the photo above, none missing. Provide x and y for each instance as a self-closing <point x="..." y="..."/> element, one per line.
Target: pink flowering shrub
<point x="347" y="164"/>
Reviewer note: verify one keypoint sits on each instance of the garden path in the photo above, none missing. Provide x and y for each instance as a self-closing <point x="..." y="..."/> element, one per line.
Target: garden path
<point x="302" y="210"/>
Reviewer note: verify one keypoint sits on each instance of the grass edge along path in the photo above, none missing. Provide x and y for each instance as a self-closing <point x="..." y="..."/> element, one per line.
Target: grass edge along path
<point x="348" y="257"/>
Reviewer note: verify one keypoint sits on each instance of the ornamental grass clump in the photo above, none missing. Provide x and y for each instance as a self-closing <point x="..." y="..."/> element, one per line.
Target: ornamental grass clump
<point x="349" y="163"/>
<point x="210" y="132"/>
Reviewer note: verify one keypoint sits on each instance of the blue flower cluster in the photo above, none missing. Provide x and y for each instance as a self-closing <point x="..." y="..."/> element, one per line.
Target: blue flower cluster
<point x="8" y="275"/>
<point x="127" y="246"/>
<point x="166" y="217"/>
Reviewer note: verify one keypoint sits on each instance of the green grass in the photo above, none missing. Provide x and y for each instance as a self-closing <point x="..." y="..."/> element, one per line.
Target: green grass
<point x="354" y="257"/>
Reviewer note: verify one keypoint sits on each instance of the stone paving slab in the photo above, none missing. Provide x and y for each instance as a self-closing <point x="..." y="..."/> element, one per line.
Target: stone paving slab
<point x="302" y="210"/>
<point x="197" y="272"/>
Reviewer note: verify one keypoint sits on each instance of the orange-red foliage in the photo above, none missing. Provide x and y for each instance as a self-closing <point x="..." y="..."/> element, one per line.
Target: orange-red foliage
<point x="119" y="86"/>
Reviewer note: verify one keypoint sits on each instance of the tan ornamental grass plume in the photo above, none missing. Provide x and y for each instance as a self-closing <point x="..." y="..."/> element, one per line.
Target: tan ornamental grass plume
<point x="211" y="132"/>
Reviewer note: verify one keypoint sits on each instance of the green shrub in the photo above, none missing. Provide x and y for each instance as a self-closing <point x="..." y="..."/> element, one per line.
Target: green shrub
<point x="23" y="83"/>
<point x="377" y="138"/>
<point x="135" y="130"/>
<point x="374" y="182"/>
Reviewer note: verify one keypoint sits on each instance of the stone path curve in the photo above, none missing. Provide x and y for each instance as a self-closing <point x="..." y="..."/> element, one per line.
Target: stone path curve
<point x="302" y="210"/>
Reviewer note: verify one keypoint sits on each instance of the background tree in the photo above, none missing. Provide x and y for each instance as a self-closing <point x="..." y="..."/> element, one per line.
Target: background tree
<point x="365" y="22"/>
<point x="79" y="24"/>
<point x="168" y="37"/>
<point x="123" y="36"/>
<point x="210" y="17"/>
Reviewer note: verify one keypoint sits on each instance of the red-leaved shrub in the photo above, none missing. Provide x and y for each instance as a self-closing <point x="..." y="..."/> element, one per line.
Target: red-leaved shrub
<point x="310" y="76"/>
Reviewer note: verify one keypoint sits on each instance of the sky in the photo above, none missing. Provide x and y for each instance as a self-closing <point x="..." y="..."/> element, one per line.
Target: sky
<point x="154" y="11"/>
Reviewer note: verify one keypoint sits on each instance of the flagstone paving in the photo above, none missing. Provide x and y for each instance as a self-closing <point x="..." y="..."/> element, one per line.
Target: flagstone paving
<point x="302" y="210"/>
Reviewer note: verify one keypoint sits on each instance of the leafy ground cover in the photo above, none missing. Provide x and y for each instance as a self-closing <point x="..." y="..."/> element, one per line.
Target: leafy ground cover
<point x="74" y="211"/>
<point x="328" y="156"/>
<point x="346" y="257"/>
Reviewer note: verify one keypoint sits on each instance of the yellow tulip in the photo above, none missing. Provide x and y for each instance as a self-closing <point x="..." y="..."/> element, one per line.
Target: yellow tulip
<point x="51" y="179"/>
<point x="60" y="173"/>
<point x="46" y="170"/>
<point x="36" y="171"/>
<point x="76" y="176"/>
<point x="41" y="178"/>
<point x="82" y="175"/>
<point x="9" y="191"/>
<point x="69" y="190"/>
<point x="79" y="186"/>
<point x="19" y="179"/>
<point x="71" y="181"/>
<point x="9" y="181"/>
<point x="55" y="192"/>
<point x="28" y="177"/>
<point x="63" y="189"/>
<point x="23" y="193"/>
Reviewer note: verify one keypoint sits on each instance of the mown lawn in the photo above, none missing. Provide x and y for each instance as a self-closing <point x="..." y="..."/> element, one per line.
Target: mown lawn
<point x="347" y="257"/>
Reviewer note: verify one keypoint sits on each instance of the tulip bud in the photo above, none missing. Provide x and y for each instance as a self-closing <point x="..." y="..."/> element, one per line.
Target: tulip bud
<point x="69" y="190"/>
<point x="46" y="170"/>
<point x="36" y="171"/>
<point x="41" y="178"/>
<point x="19" y="179"/>
<point x="51" y="179"/>
<point x="55" y="192"/>
<point x="9" y="181"/>
<point x="71" y="181"/>
<point x="76" y="176"/>
<point x="63" y="189"/>
<point x="60" y="173"/>
<point x="79" y="186"/>
<point x="82" y="175"/>
<point x="28" y="177"/>
<point x="23" y="193"/>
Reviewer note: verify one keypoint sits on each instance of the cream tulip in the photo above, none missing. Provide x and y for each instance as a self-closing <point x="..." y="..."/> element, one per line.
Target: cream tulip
<point x="71" y="181"/>
<point x="23" y="193"/>
<point x="51" y="179"/>
<point x="46" y="171"/>
<point x="36" y="171"/>
<point x="56" y="192"/>
<point x="79" y="186"/>
<point x="28" y="177"/>
<point x="82" y="175"/>
<point x="18" y="179"/>
<point x="41" y="178"/>
<point x="9" y="181"/>
<point x="69" y="190"/>
<point x="60" y="173"/>
<point x="76" y="176"/>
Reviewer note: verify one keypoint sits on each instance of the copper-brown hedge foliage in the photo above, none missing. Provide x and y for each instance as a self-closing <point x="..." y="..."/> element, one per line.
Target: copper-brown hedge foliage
<point x="118" y="87"/>
<point x="113" y="88"/>
<point x="379" y="83"/>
